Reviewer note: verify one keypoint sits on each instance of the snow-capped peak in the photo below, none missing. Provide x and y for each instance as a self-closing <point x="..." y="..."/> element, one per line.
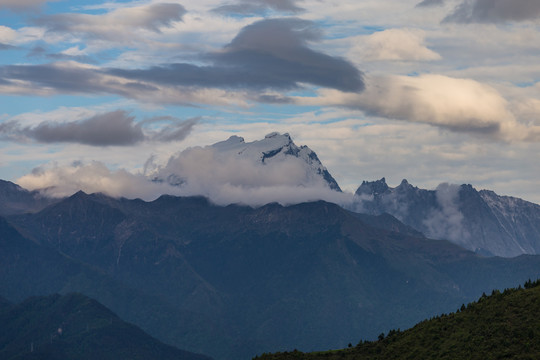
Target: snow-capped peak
<point x="274" y="147"/>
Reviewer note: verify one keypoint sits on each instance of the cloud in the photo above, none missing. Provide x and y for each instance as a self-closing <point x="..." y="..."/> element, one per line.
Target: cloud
<point x="254" y="7"/>
<point x="459" y="105"/>
<point x="117" y="25"/>
<point x="6" y="46"/>
<point x="198" y="172"/>
<point x="269" y="54"/>
<point x="75" y="78"/>
<point x="426" y="3"/>
<point x="174" y="131"/>
<point x="394" y="45"/>
<point x="23" y="5"/>
<point x="446" y="221"/>
<point x="116" y="128"/>
<point x="494" y="11"/>
<point x="17" y="37"/>
<point x="95" y="177"/>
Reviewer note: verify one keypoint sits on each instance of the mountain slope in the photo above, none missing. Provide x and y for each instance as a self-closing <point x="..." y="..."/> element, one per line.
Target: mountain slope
<point x="16" y="200"/>
<point x="28" y="269"/>
<point x="74" y="326"/>
<point x="481" y="221"/>
<point x="244" y="281"/>
<point x="503" y="325"/>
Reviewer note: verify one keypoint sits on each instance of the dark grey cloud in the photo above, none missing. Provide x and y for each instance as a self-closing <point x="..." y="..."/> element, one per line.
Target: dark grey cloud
<point x="256" y="7"/>
<point x="61" y="78"/>
<point x="494" y="11"/>
<point x="427" y="3"/>
<point x="116" y="128"/>
<point x="271" y="53"/>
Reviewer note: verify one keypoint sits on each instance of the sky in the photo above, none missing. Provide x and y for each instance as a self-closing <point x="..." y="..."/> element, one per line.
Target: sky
<point x="98" y="94"/>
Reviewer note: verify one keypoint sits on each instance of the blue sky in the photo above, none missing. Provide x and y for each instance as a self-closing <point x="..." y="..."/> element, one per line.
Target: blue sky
<point x="431" y="91"/>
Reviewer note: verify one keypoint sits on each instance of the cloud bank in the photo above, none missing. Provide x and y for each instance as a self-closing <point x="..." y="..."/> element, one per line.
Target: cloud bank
<point x="223" y="177"/>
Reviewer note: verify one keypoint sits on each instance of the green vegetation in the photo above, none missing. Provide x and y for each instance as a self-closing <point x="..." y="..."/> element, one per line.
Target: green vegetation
<point x="504" y="325"/>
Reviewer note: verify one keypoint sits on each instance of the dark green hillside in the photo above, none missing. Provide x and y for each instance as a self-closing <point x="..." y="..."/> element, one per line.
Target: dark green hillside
<point x="500" y="326"/>
<point x="74" y="326"/>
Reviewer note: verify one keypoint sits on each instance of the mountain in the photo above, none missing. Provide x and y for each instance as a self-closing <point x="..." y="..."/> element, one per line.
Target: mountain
<point x="235" y="281"/>
<point x="481" y="221"/>
<point x="16" y="200"/>
<point x="28" y="268"/>
<point x="74" y="326"/>
<point x="503" y="325"/>
<point x="277" y="150"/>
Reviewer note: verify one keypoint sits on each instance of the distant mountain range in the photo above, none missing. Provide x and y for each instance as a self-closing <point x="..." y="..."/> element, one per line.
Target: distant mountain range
<point x="502" y="325"/>
<point x="235" y="281"/>
<point x="75" y="327"/>
<point x="481" y="221"/>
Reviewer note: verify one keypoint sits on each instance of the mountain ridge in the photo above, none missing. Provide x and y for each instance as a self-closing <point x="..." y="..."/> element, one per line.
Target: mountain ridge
<point x="480" y="221"/>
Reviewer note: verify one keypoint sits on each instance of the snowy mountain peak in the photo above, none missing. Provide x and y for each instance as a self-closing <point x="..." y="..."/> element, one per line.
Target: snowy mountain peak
<point x="275" y="147"/>
<point x="273" y="161"/>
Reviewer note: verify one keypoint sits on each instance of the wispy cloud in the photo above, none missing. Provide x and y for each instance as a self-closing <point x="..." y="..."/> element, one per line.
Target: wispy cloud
<point x="427" y="3"/>
<point x="120" y="24"/>
<point x="256" y="7"/>
<point x="494" y="11"/>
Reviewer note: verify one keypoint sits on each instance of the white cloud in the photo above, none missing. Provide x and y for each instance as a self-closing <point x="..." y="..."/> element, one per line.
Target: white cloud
<point x="128" y="25"/>
<point x="460" y="105"/>
<point x="61" y="181"/>
<point x="393" y="45"/>
<point x="222" y="180"/>
<point x="20" y="36"/>
<point x="446" y="222"/>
